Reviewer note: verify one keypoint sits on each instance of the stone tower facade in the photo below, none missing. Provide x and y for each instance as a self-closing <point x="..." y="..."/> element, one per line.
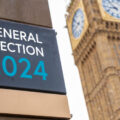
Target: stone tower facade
<point x="97" y="55"/>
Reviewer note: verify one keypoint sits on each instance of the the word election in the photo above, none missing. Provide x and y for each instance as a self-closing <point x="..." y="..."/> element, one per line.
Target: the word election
<point x="21" y="37"/>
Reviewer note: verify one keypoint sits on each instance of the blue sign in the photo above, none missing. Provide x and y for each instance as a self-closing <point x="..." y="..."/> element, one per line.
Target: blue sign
<point x="29" y="58"/>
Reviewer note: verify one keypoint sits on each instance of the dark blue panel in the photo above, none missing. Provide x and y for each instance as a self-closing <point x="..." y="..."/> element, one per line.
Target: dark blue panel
<point x="14" y="60"/>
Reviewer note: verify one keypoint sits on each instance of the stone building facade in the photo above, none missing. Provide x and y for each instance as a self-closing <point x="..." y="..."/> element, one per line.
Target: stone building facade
<point x="27" y="16"/>
<point x="97" y="55"/>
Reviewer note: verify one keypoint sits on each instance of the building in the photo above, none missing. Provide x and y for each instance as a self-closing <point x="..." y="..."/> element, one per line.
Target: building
<point x="94" y="30"/>
<point x="38" y="92"/>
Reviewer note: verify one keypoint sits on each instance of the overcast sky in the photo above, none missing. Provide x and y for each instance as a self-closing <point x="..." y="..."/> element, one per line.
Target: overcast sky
<point x="70" y="71"/>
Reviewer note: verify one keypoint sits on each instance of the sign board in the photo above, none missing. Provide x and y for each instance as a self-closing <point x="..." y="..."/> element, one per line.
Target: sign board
<point x="29" y="58"/>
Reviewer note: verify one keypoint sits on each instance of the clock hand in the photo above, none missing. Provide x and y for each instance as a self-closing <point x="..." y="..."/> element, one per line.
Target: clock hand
<point x="115" y="8"/>
<point x="77" y="23"/>
<point x="114" y="5"/>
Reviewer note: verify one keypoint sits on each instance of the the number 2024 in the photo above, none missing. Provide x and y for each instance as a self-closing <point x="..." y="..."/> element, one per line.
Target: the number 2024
<point x="25" y="72"/>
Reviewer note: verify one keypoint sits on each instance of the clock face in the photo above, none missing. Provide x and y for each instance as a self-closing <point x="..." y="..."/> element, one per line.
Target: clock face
<point x="78" y="23"/>
<point x="112" y="7"/>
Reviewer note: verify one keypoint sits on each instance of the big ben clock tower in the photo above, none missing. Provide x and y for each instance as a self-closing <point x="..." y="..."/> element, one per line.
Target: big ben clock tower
<point x="94" y="29"/>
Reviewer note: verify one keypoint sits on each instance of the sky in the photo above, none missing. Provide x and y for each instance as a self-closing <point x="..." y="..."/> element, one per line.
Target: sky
<point x="71" y="75"/>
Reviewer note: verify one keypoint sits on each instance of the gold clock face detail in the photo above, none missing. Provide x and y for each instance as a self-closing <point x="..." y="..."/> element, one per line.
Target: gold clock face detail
<point x="78" y="23"/>
<point x="110" y="10"/>
<point x="112" y="7"/>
